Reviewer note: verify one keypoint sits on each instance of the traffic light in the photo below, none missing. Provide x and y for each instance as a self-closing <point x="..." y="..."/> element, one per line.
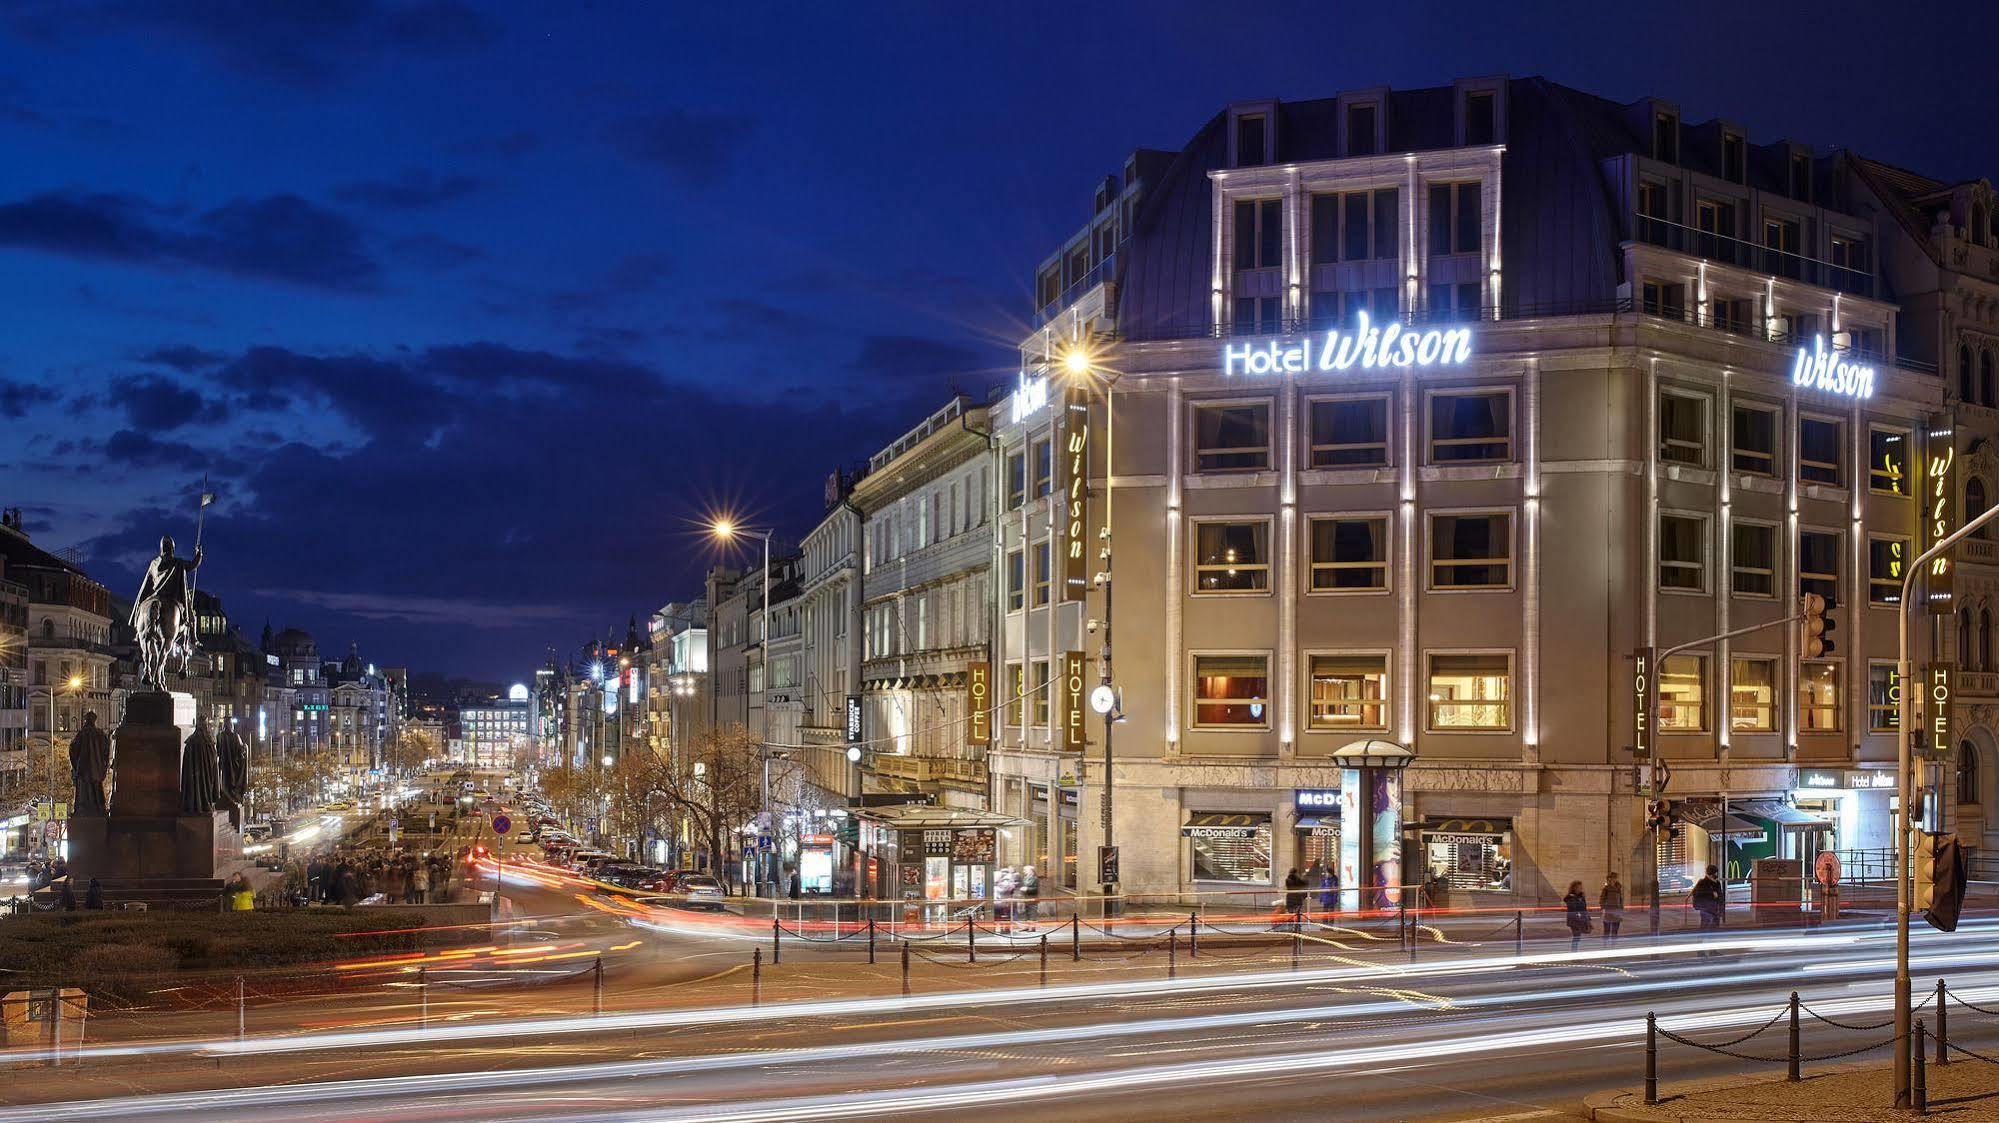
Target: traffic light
<point x="1815" y="630"/>
<point x="1922" y="862"/>
<point x="1940" y="871"/>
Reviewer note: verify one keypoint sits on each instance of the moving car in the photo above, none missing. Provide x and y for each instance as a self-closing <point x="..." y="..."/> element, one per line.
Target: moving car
<point x="690" y="889"/>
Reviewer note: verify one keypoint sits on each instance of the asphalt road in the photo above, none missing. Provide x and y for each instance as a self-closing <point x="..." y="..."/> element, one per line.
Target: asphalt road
<point x="1473" y="1033"/>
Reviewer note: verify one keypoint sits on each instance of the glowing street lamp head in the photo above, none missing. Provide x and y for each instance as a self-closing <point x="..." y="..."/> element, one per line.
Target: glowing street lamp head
<point x="1076" y="360"/>
<point x="76" y="682"/>
<point x="723" y="529"/>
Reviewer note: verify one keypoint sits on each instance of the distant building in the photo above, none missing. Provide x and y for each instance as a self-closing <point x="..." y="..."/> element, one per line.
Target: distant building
<point x="493" y="733"/>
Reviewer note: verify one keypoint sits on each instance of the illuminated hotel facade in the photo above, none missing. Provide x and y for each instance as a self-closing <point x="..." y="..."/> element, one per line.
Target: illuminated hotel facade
<point x="1602" y="380"/>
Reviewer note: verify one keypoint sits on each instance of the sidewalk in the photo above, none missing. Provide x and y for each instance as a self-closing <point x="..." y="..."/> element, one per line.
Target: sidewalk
<point x="1858" y="1093"/>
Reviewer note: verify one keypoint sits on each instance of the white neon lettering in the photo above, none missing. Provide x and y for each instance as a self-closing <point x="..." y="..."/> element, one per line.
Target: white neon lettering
<point x="1029" y="396"/>
<point x="1365" y="346"/>
<point x="1826" y="370"/>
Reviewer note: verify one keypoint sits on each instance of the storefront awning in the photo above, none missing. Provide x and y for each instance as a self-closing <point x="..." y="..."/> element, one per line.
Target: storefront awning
<point x="1224" y="824"/>
<point x="917" y="816"/>
<point x="1782" y="814"/>
<point x="1318" y="822"/>
<point x="1482" y="828"/>
<point x="1707" y="816"/>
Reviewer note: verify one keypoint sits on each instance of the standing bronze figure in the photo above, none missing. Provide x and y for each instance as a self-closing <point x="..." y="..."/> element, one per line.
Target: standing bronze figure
<point x="89" y="762"/>
<point x="200" y="772"/>
<point x="234" y="758"/>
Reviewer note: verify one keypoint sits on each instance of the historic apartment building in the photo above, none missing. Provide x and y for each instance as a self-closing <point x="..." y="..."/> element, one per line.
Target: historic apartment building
<point x="1412" y="416"/>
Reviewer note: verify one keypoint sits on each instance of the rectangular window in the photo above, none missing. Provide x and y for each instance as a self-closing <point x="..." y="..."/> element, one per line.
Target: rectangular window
<point x="1231" y="691"/>
<point x="1349" y="432"/>
<point x="1259" y="233"/>
<point x="1016" y="692"/>
<point x="1387" y="304"/>
<point x="1361" y="140"/>
<point x="1044" y="466"/>
<point x="1231" y="557"/>
<point x="1044" y="568"/>
<point x="1666" y="137"/>
<point x="1888" y="461"/>
<point x="1663" y="299"/>
<point x="1257" y="315"/>
<point x="1752" y="695"/>
<point x="1818" y="563"/>
<point x="1041" y="684"/>
<point x="1819" y="451"/>
<point x="1470" y="426"/>
<point x="1358" y="227"/>
<point x="1753" y="560"/>
<point x="1325" y="229"/>
<point x="1471" y="551"/>
<point x="1481" y="118"/>
<point x="1387" y="215"/>
<point x="1818" y="696"/>
<point x="1016" y="480"/>
<point x="1250" y="130"/>
<point x="1683" y="428"/>
<point x="1454" y="218"/>
<point x="1232" y="438"/>
<point x="1884" y="698"/>
<point x="1683" y="694"/>
<point x="1470" y="692"/>
<point x="1887" y="557"/>
<point x="1348" y="692"/>
<point x="1752" y="434"/>
<point x="1734" y="158"/>
<point x="1349" y="554"/>
<point x="1016" y="581"/>
<point x="1683" y="553"/>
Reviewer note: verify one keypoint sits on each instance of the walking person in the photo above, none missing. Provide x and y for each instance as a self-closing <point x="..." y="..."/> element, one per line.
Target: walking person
<point x="1294" y="894"/>
<point x="1610" y="902"/>
<point x="419" y="885"/>
<point x="1315" y="875"/>
<point x="1706" y="900"/>
<point x="1577" y="904"/>
<point x="1030" y="894"/>
<point x="1329" y="889"/>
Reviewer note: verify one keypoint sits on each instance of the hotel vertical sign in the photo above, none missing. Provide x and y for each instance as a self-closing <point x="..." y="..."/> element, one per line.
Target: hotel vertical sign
<point x="1939" y="518"/>
<point x="1071" y="694"/>
<point x="1939" y="685"/>
<point x="979" y="703"/>
<point x="1075" y="566"/>
<point x="1642" y="705"/>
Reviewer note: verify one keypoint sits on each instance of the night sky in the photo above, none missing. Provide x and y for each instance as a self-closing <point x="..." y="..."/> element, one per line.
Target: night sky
<point x="470" y="312"/>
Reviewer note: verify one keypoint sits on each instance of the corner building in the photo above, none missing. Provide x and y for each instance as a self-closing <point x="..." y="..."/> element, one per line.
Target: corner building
<point x="1647" y="388"/>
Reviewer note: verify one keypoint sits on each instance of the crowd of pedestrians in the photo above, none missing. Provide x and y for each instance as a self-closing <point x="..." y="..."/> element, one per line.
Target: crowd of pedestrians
<point x="377" y="875"/>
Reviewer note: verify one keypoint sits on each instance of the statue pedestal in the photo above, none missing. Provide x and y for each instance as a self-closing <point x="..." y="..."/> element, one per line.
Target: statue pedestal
<point x="145" y="835"/>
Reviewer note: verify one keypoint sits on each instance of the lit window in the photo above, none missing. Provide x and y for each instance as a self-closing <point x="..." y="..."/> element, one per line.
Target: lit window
<point x="1471" y="692"/>
<point x="1752" y="695"/>
<point x="1884" y="698"/>
<point x="1044" y="566"/>
<point x="1016" y="581"/>
<point x="1886" y="557"/>
<point x="1471" y="551"/>
<point x="1041" y="683"/>
<point x="1349" y="554"/>
<point x="1349" y="692"/>
<point x="1231" y="557"/>
<point x="1888" y="461"/>
<point x="1471" y="426"/>
<point x="1818" y="697"/>
<point x="1231" y="691"/>
<point x="1231" y="438"/>
<point x="1683" y="694"/>
<point x="1016" y="693"/>
<point x="1682" y="553"/>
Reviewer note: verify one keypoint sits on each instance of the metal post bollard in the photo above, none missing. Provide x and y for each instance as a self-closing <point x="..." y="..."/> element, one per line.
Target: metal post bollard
<point x="1791" y="1068"/>
<point x="423" y="989"/>
<point x="1943" y="1026"/>
<point x="239" y="1009"/>
<point x="1297" y="938"/>
<point x="1519" y="934"/>
<point x="1172" y="953"/>
<point x="597" y="988"/>
<point x="756" y="976"/>
<point x="871" y="942"/>
<point x="971" y="942"/>
<point x="905" y="967"/>
<point x="1651" y="1058"/>
<point x="774" y="945"/>
<point x="1075" y="939"/>
<point x="1044" y="959"/>
<point x="1919" y="1081"/>
<point x="1194" y="935"/>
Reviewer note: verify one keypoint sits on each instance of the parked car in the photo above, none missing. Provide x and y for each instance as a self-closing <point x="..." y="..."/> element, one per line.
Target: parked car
<point x="689" y="889"/>
<point x="627" y="876"/>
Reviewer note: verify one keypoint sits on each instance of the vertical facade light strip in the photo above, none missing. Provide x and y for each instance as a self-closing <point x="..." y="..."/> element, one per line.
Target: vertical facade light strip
<point x="1722" y="584"/>
<point x="1294" y="257"/>
<point x="1411" y="550"/>
<point x="1492" y="249"/>
<point x="1787" y="556"/>
<point x="1287" y="571"/>
<point x="1648" y="561"/>
<point x="1175" y="431"/>
<point x="1530" y="602"/>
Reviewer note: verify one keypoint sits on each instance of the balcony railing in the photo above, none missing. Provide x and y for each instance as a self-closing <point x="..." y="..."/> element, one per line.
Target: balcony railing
<point x="1748" y="255"/>
<point x="1978" y="684"/>
<point x="1097" y="274"/>
<point x="1978" y="551"/>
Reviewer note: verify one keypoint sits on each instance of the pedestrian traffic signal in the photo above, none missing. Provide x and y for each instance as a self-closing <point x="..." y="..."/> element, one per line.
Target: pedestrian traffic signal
<point x="1815" y="630"/>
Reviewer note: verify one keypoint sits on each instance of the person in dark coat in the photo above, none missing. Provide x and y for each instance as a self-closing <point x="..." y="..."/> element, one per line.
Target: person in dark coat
<point x="791" y="884"/>
<point x="66" y="899"/>
<point x="93" y="896"/>
<point x="1577" y="904"/>
<point x="1294" y="892"/>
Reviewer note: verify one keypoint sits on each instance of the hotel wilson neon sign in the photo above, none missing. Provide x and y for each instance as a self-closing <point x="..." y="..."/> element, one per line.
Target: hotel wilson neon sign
<point x="1366" y="347"/>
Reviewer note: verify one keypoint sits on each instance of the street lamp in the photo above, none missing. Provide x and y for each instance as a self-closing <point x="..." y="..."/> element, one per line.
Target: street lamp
<point x="73" y="685"/>
<point x="726" y="530"/>
<point x="1084" y="372"/>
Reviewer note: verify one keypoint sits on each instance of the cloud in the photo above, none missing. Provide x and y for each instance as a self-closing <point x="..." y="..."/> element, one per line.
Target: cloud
<point x="308" y="45"/>
<point x="140" y="450"/>
<point x="434" y="251"/>
<point x="415" y="189"/>
<point x="696" y="147"/>
<point x="182" y="357"/>
<point x="279" y="237"/>
<point x="155" y="404"/>
<point x="17" y="397"/>
<point x="428" y="611"/>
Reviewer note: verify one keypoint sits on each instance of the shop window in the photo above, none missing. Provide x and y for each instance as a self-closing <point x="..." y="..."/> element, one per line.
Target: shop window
<point x="1886" y="556"/>
<point x="1470" y="692"/>
<point x="1229" y="847"/>
<point x="1231" y="691"/>
<point x="1683" y="428"/>
<point x="1044" y="571"/>
<point x="1016" y="580"/>
<point x="1232" y="438"/>
<point x="1753" y="439"/>
<point x="1683" y="553"/>
<point x="1884" y="698"/>
<point x="1818" y="564"/>
<point x="1349" y="432"/>
<point x="1473" y="550"/>
<point x="1232" y="557"/>
<point x="1888" y="461"/>
<point x="1752" y="695"/>
<point x="1454" y="218"/>
<point x="1348" y="692"/>
<point x="1044" y="466"/>
<point x="1259" y="233"/>
<point x="1468" y="860"/>
<point x="1753" y="561"/>
<point x="1041" y="689"/>
<point x="1471" y="426"/>
<point x="1683" y="694"/>
<point x="1818" y="696"/>
<point x="1819" y="451"/>
<point x="1016" y="480"/>
<point x="1349" y="554"/>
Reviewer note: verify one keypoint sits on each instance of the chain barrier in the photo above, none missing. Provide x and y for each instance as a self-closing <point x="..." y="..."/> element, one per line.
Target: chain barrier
<point x="1724" y="1050"/>
<point x="800" y="935"/>
<point x="1881" y="1044"/>
<point x="1807" y="1008"/>
<point x="1967" y="1005"/>
<point x="972" y="966"/>
<point x="1780" y="1015"/>
<point x="1956" y="1048"/>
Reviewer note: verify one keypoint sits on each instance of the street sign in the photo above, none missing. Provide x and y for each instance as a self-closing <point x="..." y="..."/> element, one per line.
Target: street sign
<point x="1107" y="865"/>
<point x="502" y="824"/>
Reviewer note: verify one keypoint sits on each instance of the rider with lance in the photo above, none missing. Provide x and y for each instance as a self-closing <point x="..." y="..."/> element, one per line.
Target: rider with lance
<point x="163" y="612"/>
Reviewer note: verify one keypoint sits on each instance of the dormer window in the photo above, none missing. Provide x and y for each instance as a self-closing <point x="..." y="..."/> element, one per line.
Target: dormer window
<point x="1734" y="158"/>
<point x="1481" y="117"/>
<point x="1666" y="137"/>
<point x="1252" y="133"/>
<point x="1801" y="176"/>
<point x="1362" y="123"/>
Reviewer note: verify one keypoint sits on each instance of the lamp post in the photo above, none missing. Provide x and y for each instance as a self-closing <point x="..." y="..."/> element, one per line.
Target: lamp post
<point x="1082" y="369"/>
<point x="73" y="686"/>
<point x="727" y="531"/>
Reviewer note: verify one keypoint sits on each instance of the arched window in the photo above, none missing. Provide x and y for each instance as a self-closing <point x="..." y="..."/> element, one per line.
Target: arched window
<point x="1984" y="639"/>
<point x="1967" y="387"/>
<point x="48" y="629"/>
<point x="1974" y="502"/>
<point x="1967" y="773"/>
<point x="1964" y="641"/>
<point x="1988" y="391"/>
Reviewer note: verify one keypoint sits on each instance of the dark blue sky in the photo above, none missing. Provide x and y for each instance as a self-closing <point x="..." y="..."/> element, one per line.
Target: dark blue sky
<point x="469" y="311"/>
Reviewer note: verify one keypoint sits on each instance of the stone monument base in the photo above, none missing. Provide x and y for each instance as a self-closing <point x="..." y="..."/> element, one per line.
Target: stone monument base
<point x="163" y="846"/>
